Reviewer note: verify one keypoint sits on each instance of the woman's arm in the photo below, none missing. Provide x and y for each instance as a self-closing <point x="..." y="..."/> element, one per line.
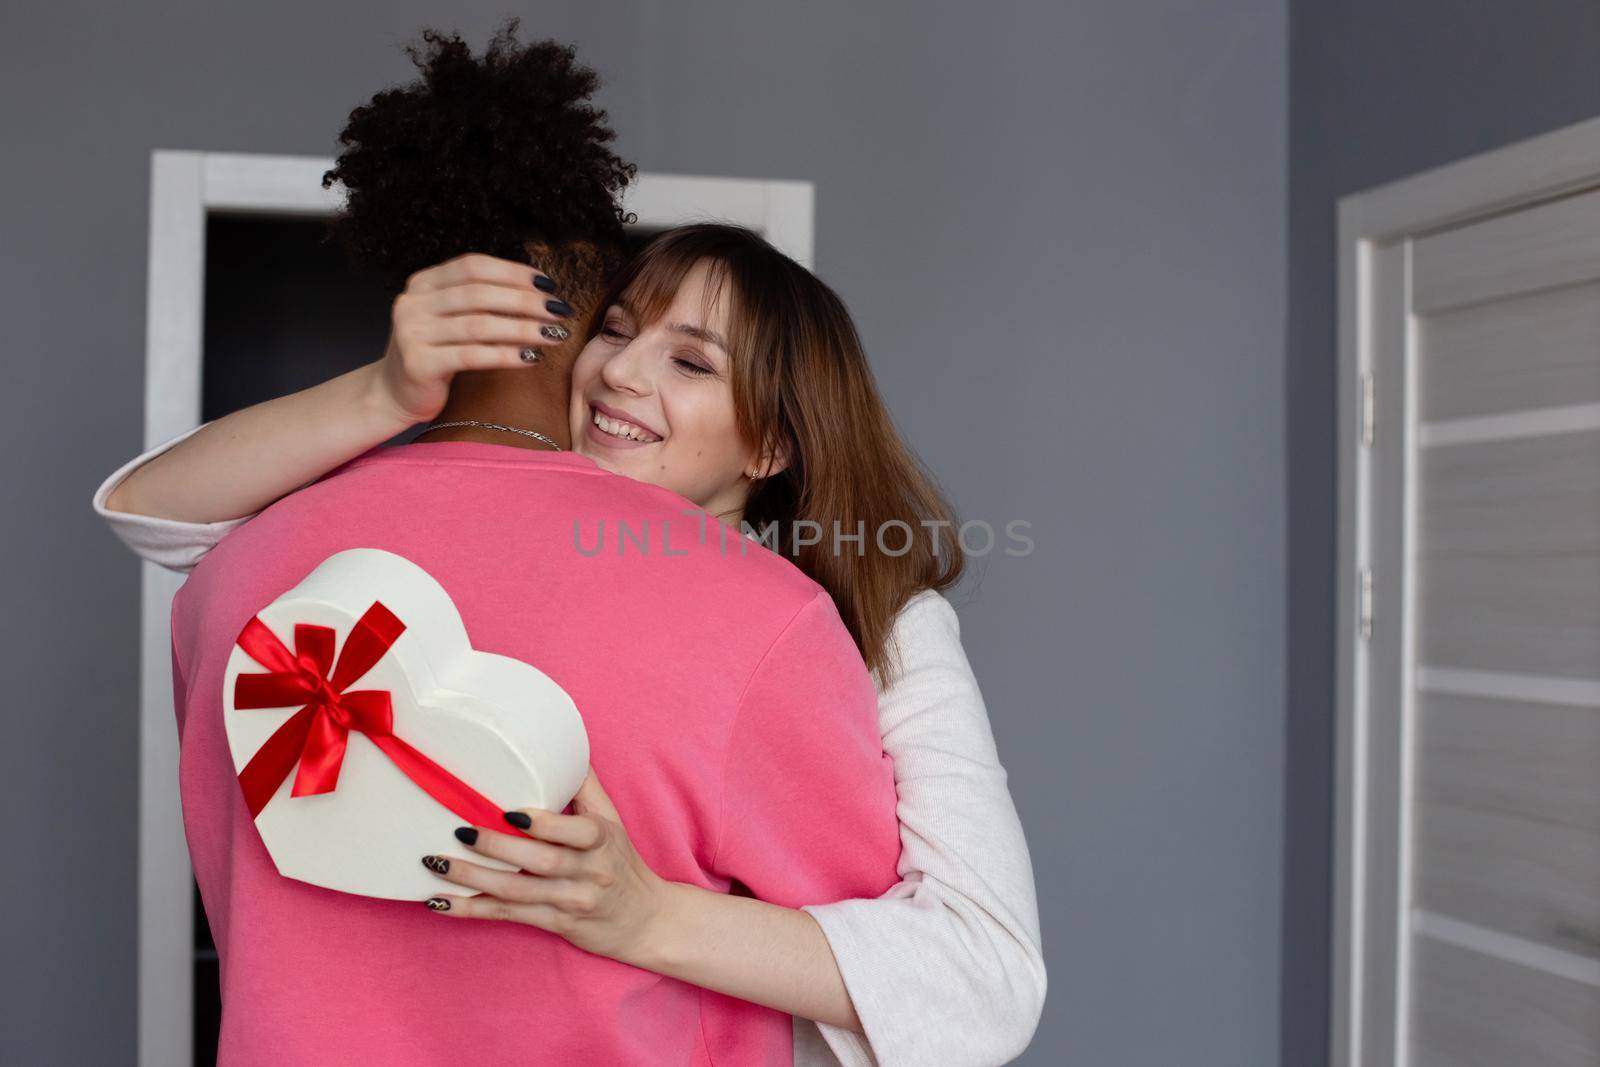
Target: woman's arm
<point x="473" y="312"/>
<point x="946" y="967"/>
<point x="240" y="463"/>
<point x="177" y="546"/>
<point x="580" y="877"/>
<point x="775" y="956"/>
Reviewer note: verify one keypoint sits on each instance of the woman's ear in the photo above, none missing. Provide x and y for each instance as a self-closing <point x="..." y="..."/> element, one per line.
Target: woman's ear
<point x="773" y="463"/>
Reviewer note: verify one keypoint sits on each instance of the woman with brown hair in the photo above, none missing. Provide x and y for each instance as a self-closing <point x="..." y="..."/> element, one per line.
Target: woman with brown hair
<point x="717" y="368"/>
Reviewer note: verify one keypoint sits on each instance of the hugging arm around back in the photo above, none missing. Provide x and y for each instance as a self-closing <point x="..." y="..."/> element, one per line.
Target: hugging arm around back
<point x="454" y="331"/>
<point x="215" y="472"/>
<point x="807" y="814"/>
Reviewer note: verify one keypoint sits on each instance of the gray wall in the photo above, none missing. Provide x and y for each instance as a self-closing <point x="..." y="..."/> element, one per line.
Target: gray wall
<point x="1379" y="90"/>
<point x="1062" y="230"/>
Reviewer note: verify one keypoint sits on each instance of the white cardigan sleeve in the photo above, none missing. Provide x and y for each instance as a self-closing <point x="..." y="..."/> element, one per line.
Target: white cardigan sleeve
<point x="175" y="545"/>
<point x="947" y="966"/>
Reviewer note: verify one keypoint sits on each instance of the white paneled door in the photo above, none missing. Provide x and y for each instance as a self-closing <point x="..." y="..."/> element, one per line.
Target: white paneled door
<point x="1468" y="892"/>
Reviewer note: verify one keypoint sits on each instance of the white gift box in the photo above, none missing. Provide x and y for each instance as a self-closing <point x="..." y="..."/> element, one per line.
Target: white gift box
<point x="498" y="725"/>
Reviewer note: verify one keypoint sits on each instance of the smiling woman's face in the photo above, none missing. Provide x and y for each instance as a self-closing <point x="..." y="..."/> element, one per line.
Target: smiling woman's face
<point x="654" y="401"/>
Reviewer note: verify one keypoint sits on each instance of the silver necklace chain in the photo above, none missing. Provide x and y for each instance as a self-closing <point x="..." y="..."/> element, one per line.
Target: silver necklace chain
<point x="492" y="426"/>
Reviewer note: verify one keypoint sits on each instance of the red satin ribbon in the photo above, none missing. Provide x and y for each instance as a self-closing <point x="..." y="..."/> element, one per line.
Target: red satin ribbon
<point x="315" y="736"/>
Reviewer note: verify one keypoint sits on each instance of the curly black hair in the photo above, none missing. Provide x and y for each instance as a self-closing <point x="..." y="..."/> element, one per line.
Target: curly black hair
<point x="503" y="155"/>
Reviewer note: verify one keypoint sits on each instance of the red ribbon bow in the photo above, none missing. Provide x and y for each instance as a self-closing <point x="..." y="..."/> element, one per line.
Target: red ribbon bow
<point x="315" y="736"/>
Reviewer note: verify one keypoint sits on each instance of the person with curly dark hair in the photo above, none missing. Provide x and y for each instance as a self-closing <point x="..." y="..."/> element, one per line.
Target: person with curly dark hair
<point x="716" y="368"/>
<point x="506" y="155"/>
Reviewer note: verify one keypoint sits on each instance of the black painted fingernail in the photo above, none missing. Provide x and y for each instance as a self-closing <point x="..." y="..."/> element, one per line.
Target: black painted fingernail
<point x="436" y="864"/>
<point x="558" y="307"/>
<point x="542" y="282"/>
<point x="467" y="835"/>
<point x="438" y="903"/>
<point x="520" y="820"/>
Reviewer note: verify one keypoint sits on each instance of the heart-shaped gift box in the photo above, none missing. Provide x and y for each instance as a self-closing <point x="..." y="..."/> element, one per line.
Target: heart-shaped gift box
<point x="365" y="728"/>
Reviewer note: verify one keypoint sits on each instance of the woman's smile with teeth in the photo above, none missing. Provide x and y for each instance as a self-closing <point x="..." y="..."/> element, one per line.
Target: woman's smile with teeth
<point x="625" y="430"/>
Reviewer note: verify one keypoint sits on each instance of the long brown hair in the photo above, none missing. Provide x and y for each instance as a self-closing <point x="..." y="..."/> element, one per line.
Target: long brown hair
<point x="801" y="383"/>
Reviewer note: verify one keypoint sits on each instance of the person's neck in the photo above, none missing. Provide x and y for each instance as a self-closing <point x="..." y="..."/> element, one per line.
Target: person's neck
<point x="526" y="399"/>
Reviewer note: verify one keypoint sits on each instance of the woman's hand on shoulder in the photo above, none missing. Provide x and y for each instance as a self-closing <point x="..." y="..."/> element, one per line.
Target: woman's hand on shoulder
<point x="472" y="312"/>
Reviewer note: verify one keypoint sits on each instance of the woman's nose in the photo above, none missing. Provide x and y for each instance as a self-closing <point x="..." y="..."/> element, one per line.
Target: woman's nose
<point x="627" y="371"/>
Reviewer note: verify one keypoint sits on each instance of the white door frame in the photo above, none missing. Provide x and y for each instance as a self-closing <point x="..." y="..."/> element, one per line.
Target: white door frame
<point x="1370" y="979"/>
<point x="186" y="187"/>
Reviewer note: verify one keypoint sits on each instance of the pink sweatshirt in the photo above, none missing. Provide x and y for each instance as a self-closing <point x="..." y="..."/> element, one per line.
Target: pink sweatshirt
<point x="730" y="719"/>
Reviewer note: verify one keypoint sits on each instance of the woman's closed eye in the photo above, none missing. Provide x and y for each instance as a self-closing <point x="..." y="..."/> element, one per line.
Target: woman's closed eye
<point x="693" y="366"/>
